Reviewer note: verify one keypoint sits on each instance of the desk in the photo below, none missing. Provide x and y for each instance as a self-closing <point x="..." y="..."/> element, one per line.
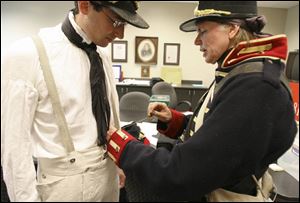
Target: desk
<point x="150" y="131"/>
<point x="287" y="186"/>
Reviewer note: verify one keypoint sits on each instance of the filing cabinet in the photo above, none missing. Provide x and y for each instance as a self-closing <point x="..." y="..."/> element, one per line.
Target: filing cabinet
<point x="123" y="89"/>
<point x="192" y="95"/>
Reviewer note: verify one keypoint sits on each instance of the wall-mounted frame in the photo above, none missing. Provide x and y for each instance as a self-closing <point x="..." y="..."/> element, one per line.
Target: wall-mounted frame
<point x="146" y="50"/>
<point x="119" y="51"/>
<point x="171" y="53"/>
<point x="145" y="71"/>
<point x="117" y="69"/>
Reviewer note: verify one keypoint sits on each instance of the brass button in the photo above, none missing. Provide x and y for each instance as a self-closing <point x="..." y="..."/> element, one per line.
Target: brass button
<point x="72" y="160"/>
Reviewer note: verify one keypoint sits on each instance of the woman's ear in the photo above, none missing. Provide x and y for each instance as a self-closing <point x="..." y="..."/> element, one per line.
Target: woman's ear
<point x="83" y="7"/>
<point x="233" y="30"/>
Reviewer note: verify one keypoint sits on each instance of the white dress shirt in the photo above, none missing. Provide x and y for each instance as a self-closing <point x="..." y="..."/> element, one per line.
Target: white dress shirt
<point x="28" y="125"/>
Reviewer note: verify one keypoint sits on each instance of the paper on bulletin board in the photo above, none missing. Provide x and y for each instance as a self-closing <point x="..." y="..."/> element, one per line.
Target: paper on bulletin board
<point x="171" y="74"/>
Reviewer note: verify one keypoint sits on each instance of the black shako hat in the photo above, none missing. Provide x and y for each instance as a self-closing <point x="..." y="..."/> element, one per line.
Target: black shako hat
<point x="126" y="10"/>
<point x="214" y="10"/>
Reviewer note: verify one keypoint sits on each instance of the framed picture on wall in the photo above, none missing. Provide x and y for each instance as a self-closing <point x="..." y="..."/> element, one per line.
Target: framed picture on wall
<point x="119" y="51"/>
<point x="145" y="71"/>
<point x="171" y="53"/>
<point x="117" y="69"/>
<point x="146" y="50"/>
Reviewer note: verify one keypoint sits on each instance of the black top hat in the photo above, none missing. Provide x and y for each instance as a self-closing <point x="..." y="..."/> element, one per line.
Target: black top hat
<point x="126" y="10"/>
<point x="214" y="10"/>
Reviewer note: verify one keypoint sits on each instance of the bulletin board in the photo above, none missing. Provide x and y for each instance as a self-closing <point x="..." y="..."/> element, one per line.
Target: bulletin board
<point x="171" y="75"/>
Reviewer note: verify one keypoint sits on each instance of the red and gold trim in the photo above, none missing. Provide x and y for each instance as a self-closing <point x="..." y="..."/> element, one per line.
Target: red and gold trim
<point x="172" y="129"/>
<point x="274" y="47"/>
<point x="117" y="143"/>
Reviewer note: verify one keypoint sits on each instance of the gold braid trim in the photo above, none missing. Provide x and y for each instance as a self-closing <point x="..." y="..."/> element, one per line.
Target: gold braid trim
<point x="205" y="12"/>
<point x="259" y="48"/>
<point x="221" y="74"/>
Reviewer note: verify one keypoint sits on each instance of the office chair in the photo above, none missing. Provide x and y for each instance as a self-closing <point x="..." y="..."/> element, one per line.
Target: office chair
<point x="164" y="88"/>
<point x="133" y="106"/>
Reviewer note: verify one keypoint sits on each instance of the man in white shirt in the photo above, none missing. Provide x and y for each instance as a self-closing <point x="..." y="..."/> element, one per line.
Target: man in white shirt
<point x="86" y="89"/>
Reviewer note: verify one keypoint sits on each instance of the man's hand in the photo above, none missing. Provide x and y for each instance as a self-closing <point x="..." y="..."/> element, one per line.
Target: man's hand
<point x="159" y="110"/>
<point x="122" y="178"/>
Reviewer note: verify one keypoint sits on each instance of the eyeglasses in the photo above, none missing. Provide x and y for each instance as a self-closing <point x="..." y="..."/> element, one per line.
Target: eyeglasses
<point x="115" y="23"/>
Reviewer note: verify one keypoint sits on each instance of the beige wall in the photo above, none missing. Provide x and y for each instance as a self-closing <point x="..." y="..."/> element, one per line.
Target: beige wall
<point x="292" y="28"/>
<point x="164" y="20"/>
<point x="19" y="19"/>
<point x="24" y="18"/>
<point x="276" y="18"/>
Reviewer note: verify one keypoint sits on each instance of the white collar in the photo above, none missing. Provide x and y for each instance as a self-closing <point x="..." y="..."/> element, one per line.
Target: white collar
<point x="78" y="29"/>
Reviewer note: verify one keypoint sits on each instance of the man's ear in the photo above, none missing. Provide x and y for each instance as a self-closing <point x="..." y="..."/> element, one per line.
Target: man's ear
<point x="233" y="30"/>
<point x="83" y="6"/>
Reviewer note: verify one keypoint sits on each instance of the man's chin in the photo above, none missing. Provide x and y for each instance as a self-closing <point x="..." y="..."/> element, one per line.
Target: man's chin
<point x="103" y="44"/>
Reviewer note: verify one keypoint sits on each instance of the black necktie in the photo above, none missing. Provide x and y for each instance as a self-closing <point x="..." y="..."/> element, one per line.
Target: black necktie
<point x="100" y="103"/>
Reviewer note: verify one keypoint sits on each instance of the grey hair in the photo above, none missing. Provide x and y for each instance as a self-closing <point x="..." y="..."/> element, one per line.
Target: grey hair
<point x="250" y="28"/>
<point x="256" y="24"/>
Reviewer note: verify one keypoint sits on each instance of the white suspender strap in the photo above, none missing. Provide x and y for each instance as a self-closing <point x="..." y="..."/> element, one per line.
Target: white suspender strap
<point x="58" y="111"/>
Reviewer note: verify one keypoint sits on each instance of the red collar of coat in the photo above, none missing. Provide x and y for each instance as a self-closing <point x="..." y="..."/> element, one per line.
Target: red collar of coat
<point x="274" y="47"/>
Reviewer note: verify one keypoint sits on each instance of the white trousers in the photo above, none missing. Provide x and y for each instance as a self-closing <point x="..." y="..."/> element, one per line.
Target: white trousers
<point x="85" y="176"/>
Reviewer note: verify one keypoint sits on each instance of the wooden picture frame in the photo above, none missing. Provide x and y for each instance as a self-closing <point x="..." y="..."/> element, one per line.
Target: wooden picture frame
<point x="145" y="71"/>
<point x="146" y="50"/>
<point x="119" y="51"/>
<point x="171" y="53"/>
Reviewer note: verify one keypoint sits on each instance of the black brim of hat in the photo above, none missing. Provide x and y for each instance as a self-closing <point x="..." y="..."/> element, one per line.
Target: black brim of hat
<point x="191" y="25"/>
<point x="133" y="19"/>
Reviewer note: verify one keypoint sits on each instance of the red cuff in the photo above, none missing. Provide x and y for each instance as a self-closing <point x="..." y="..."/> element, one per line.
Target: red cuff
<point x="146" y="141"/>
<point x="117" y="143"/>
<point x="174" y="125"/>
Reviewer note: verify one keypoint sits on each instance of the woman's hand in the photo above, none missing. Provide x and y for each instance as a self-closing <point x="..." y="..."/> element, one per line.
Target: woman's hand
<point x="159" y="110"/>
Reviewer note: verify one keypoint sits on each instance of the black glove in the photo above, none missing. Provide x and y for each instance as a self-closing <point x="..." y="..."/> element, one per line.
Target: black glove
<point x="134" y="130"/>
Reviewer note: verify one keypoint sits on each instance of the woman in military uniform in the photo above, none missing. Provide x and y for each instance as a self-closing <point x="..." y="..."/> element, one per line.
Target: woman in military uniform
<point x="244" y="123"/>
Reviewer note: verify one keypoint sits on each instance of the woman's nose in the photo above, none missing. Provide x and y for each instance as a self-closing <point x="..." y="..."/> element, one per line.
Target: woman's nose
<point x="198" y="40"/>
